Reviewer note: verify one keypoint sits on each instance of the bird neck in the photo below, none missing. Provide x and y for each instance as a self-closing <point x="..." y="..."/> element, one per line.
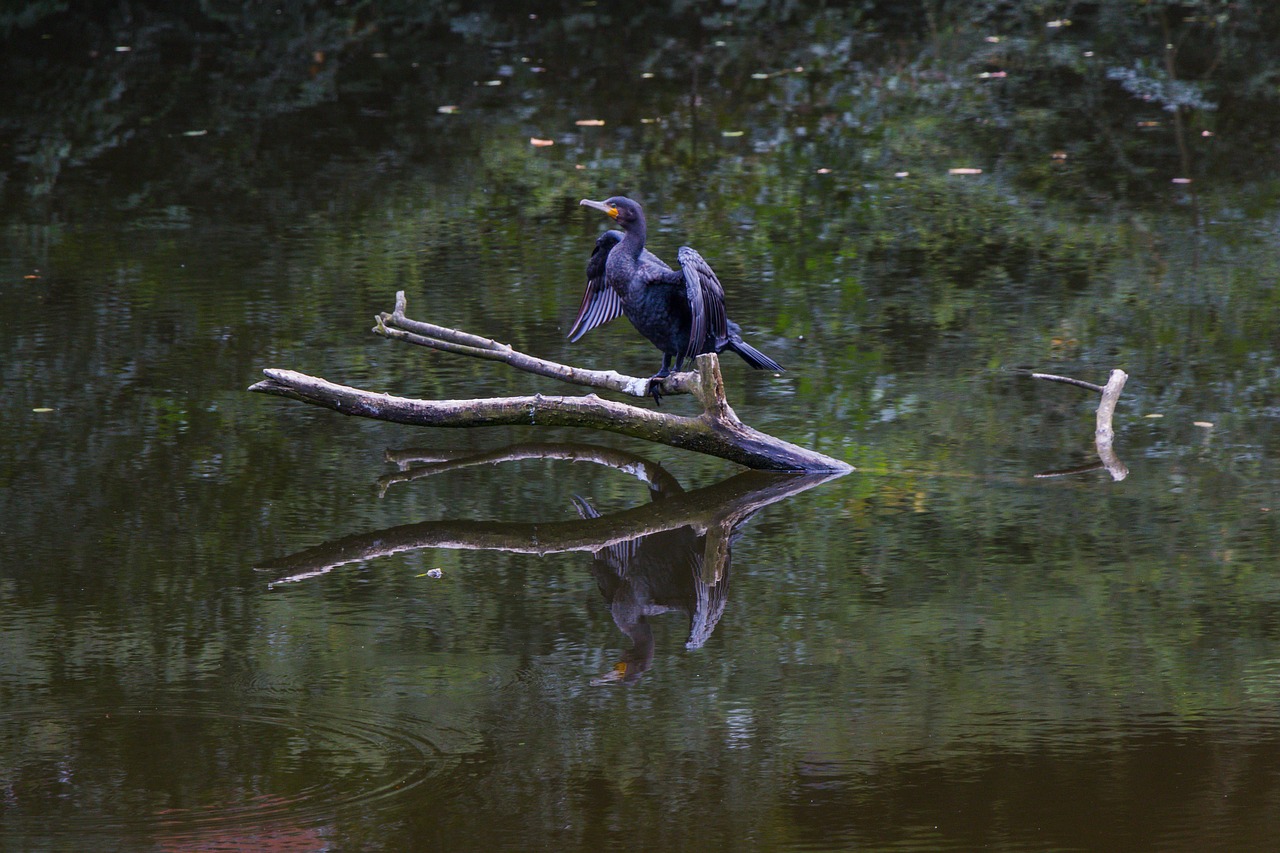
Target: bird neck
<point x="633" y="238"/>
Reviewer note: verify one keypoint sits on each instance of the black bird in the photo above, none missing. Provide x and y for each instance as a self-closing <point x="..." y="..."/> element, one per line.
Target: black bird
<point x="680" y="311"/>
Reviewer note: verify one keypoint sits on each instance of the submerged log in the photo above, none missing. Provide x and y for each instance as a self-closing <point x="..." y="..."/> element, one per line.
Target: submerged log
<point x="716" y="431"/>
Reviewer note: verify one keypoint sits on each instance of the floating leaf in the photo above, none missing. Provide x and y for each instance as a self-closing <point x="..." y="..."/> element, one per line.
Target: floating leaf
<point x="590" y="122"/>
<point x="964" y="171"/>
<point x="1153" y="416"/>
<point x="732" y="133"/>
<point x="42" y="409"/>
<point x="540" y="143"/>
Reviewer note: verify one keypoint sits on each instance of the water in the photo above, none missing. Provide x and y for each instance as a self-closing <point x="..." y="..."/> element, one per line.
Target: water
<point x="231" y="621"/>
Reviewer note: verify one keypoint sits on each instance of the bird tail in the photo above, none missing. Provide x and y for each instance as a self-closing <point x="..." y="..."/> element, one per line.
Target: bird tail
<point x="753" y="356"/>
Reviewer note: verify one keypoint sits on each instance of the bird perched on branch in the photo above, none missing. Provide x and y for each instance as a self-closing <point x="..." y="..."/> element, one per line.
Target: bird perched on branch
<point x="680" y="311"/>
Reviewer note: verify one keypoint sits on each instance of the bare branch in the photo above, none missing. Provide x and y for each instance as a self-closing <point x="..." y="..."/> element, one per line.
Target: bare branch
<point x="1104" y="435"/>
<point x="727" y="439"/>
<point x="716" y="432"/>
<point x="399" y="327"/>
<point x="1080" y="383"/>
<point x="1107" y="408"/>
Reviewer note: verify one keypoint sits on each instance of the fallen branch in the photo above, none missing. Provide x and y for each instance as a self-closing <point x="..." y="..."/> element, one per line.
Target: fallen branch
<point x="1104" y="435"/>
<point x="717" y="431"/>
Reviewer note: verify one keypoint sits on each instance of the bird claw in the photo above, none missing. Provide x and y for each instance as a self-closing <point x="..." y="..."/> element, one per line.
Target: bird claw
<point x="655" y="385"/>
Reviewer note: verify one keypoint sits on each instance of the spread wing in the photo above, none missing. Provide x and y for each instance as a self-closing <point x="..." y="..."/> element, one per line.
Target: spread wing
<point x="706" y="300"/>
<point x="600" y="302"/>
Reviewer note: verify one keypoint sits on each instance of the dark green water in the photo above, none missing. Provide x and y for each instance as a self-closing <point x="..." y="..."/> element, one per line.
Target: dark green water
<point x="941" y="650"/>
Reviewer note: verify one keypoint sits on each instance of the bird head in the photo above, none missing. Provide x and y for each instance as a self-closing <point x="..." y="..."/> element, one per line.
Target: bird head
<point x="621" y="209"/>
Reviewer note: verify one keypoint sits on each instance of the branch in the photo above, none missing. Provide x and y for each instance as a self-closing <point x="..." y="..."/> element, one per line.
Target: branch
<point x="1107" y="408"/>
<point x="716" y="432"/>
<point x="727" y="439"/>
<point x="397" y="326"/>
<point x="1103" y="435"/>
<point x="1079" y="383"/>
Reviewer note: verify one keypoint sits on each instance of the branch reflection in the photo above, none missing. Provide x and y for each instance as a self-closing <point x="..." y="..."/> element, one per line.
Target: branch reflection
<point x="1107" y="460"/>
<point x="671" y="554"/>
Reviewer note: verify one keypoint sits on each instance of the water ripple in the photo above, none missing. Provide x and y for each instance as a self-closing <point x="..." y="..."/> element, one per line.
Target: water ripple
<point x="204" y="774"/>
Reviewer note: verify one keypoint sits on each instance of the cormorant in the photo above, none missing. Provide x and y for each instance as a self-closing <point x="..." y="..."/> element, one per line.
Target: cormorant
<point x="680" y="311"/>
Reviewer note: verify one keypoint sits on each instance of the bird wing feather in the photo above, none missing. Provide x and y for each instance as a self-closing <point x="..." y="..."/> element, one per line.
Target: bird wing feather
<point x="600" y="302"/>
<point x="706" y="300"/>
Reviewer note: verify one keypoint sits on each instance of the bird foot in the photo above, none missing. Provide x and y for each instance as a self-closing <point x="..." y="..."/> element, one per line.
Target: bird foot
<point x="655" y="384"/>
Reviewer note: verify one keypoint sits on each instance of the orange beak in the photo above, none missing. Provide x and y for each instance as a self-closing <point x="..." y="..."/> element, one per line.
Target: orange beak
<point x="607" y="209"/>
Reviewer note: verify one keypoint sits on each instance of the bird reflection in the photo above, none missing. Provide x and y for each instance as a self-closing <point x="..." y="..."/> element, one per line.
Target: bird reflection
<point x="652" y="575"/>
<point x="671" y="553"/>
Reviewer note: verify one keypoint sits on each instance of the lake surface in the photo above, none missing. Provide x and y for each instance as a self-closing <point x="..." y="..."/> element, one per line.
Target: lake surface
<point x="234" y="622"/>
